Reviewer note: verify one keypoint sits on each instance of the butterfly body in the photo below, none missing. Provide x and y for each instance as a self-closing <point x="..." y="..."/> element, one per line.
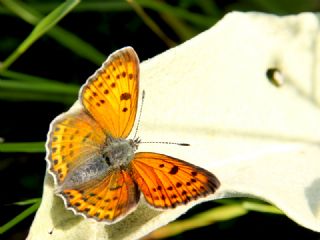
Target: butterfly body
<point x="96" y="169"/>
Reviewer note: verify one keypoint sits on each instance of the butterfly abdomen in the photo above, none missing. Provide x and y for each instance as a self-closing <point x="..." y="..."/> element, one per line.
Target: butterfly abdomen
<point x="92" y="169"/>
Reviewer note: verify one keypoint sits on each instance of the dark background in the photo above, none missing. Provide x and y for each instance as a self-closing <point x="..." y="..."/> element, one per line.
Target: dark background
<point x="21" y="174"/>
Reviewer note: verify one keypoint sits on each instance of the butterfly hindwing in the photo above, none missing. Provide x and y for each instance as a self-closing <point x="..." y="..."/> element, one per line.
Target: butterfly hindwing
<point x="111" y="94"/>
<point x="72" y="140"/>
<point x="109" y="200"/>
<point x="167" y="182"/>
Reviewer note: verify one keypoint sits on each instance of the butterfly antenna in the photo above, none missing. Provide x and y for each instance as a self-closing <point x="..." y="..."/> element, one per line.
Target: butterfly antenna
<point x="138" y="124"/>
<point x="172" y="143"/>
<point x="140" y="112"/>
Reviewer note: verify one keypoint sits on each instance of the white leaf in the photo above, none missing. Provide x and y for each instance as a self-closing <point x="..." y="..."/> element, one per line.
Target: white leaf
<point x="260" y="140"/>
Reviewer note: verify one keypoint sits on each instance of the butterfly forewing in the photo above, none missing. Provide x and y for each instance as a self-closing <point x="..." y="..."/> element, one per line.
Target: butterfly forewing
<point x="167" y="182"/>
<point x="72" y="140"/>
<point x="110" y="199"/>
<point x="111" y="94"/>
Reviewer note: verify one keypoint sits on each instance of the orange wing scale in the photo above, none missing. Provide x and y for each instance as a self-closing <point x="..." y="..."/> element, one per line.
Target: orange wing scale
<point x="73" y="140"/>
<point x="111" y="94"/>
<point x="167" y="182"/>
<point x="108" y="200"/>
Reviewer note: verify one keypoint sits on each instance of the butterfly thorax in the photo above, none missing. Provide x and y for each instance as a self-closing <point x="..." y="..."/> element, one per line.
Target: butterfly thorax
<point x="118" y="151"/>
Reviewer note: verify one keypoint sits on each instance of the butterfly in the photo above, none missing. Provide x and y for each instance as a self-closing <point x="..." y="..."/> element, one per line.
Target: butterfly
<point x="96" y="169"/>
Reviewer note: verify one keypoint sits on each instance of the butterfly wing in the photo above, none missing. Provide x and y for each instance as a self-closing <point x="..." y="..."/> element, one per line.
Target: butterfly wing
<point x="111" y="94"/>
<point x="109" y="200"/>
<point x="73" y="139"/>
<point x="167" y="182"/>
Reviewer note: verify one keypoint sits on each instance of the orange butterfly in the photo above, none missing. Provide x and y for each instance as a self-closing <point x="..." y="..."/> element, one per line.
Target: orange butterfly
<point x="96" y="170"/>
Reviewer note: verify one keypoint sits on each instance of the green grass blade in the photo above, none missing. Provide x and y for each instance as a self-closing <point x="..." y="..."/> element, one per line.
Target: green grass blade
<point x="181" y="28"/>
<point x="99" y="6"/>
<point x="20" y="9"/>
<point x="261" y="207"/>
<point x="209" y="7"/>
<point x="252" y="205"/>
<point x="234" y="208"/>
<point x="27" y="147"/>
<point x="77" y="45"/>
<point x="221" y="213"/>
<point x="103" y="6"/>
<point x="16" y="96"/>
<point x="152" y="24"/>
<point x="41" y="28"/>
<point x="30" y="210"/>
<point x="22" y="77"/>
<point x="198" y="19"/>
<point x="47" y="87"/>
<point x="62" y="36"/>
<point x="96" y="6"/>
<point x="27" y="202"/>
<point x="28" y="87"/>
